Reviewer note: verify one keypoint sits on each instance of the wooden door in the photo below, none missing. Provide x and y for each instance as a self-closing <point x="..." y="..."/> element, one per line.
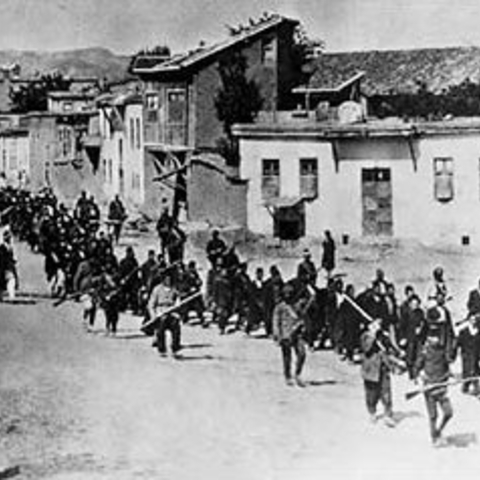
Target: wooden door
<point x="377" y="201"/>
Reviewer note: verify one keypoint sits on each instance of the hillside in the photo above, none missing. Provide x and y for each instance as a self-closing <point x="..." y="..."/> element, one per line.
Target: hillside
<point x="88" y="62"/>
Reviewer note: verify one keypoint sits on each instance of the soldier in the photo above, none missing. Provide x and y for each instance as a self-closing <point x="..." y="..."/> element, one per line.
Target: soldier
<point x="273" y="292"/>
<point x="288" y="332"/>
<point x="129" y="278"/>
<point x="413" y="325"/>
<point x="404" y="312"/>
<point x="163" y="297"/>
<point x="376" y="369"/>
<point x="163" y="227"/>
<point x="468" y="343"/>
<point x="307" y="272"/>
<point x="117" y="214"/>
<point x="433" y="367"/>
<point x="222" y="298"/>
<point x="473" y="304"/>
<point x="193" y="284"/>
<point x="352" y="322"/>
<point x="216" y="248"/>
<point x="109" y="300"/>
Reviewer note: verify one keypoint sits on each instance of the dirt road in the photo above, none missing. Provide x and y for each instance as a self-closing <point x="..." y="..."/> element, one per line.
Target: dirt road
<point x="85" y="406"/>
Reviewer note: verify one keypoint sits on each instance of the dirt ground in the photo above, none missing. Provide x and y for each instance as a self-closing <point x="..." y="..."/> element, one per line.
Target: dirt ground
<point x="81" y="406"/>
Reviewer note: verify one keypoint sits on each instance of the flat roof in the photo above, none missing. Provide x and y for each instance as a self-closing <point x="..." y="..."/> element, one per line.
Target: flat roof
<point x="368" y="129"/>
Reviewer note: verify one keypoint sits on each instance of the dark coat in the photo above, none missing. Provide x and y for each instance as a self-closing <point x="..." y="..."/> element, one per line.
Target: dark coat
<point x="468" y="343"/>
<point x="473" y="304"/>
<point x="328" y="257"/>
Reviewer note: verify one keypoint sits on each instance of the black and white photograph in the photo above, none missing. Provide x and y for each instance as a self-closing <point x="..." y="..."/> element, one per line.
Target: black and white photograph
<point x="239" y="240"/>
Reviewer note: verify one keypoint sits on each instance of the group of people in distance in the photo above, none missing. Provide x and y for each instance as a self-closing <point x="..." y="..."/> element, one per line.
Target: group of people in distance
<point x="371" y="328"/>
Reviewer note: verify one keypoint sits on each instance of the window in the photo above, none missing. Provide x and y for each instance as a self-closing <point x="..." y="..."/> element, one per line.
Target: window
<point x="152" y="105"/>
<point x="443" y="179"/>
<point x="152" y="101"/>
<point x="139" y="132"/>
<point x="176" y="106"/>
<point x="65" y="139"/>
<point x="270" y="178"/>
<point x="268" y="51"/>
<point x="13" y="154"/>
<point x="308" y="177"/>
<point x="132" y="133"/>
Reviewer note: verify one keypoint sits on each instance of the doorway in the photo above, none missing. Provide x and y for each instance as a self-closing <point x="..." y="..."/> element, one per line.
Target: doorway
<point x="377" y="201"/>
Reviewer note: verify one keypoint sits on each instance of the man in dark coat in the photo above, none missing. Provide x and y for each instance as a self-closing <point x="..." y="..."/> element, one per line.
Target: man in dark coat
<point x="468" y="343"/>
<point x="473" y="304"/>
<point x="216" y="248"/>
<point x="306" y="271"/>
<point x="116" y="216"/>
<point x="328" y="256"/>
<point x="351" y="320"/>
<point x="272" y="295"/>
<point x="164" y="227"/>
<point x="222" y="298"/>
<point x="413" y="325"/>
<point x="128" y="271"/>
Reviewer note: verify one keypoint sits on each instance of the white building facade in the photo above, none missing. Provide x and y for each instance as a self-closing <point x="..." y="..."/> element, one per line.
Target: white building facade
<point x="380" y="179"/>
<point x="15" y="157"/>
<point x="122" y="152"/>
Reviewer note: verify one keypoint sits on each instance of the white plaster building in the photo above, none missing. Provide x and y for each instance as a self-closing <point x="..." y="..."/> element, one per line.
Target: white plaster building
<point x="15" y="157"/>
<point x="384" y="178"/>
<point x="122" y="153"/>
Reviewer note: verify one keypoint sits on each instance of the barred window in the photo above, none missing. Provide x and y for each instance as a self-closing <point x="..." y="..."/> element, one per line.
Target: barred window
<point x="443" y="179"/>
<point x="308" y="177"/>
<point x="270" y="178"/>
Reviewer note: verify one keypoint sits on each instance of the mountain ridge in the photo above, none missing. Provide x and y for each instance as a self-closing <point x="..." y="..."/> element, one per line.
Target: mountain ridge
<point x="99" y="62"/>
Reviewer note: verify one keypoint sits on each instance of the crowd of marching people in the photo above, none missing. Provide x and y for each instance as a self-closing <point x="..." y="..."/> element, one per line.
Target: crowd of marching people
<point x="373" y="327"/>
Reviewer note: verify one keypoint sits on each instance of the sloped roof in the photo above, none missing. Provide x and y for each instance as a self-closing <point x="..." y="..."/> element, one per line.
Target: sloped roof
<point x="184" y="60"/>
<point x="399" y="71"/>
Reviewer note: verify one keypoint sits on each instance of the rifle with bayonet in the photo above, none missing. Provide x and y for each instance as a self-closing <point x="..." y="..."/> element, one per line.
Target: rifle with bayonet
<point x="433" y="386"/>
<point x="394" y="358"/>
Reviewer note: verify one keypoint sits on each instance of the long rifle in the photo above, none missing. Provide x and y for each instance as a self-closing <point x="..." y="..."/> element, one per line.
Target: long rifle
<point x="75" y="295"/>
<point x="400" y="363"/>
<point x="168" y="311"/>
<point x="448" y="383"/>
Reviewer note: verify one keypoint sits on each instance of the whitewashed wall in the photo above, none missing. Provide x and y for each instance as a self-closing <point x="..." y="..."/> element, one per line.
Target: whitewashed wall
<point x="416" y="212"/>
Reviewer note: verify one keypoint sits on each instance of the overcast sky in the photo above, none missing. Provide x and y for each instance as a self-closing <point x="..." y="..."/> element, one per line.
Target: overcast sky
<point x="127" y="25"/>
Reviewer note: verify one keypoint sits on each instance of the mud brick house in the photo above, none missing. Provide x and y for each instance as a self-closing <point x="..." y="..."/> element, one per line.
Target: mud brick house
<point x="63" y="154"/>
<point x="179" y="96"/>
<point x="360" y="176"/>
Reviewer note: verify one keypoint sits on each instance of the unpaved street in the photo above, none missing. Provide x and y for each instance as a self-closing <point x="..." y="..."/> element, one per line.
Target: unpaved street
<point x="75" y="405"/>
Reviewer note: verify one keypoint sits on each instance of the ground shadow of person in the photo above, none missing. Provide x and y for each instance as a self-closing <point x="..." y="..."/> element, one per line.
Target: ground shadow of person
<point x="188" y="358"/>
<point x="320" y="383"/>
<point x="401" y="416"/>
<point x="461" y="440"/>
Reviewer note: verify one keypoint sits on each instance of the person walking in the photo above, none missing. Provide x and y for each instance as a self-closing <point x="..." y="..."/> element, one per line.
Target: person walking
<point x="162" y="298"/>
<point x="328" y="256"/>
<point x="288" y="333"/>
<point x="117" y="215"/>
